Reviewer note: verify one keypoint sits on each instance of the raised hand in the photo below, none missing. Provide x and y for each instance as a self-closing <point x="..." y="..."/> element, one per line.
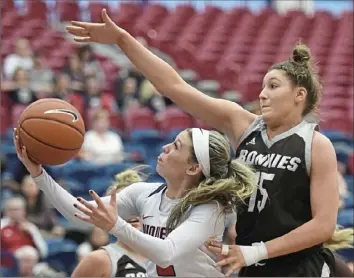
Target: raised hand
<point x="107" y="32"/>
<point x="33" y="168"/>
<point x="103" y="216"/>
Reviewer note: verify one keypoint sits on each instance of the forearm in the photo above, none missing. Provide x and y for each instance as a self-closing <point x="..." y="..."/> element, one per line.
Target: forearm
<point x="309" y="234"/>
<point x="159" y="73"/>
<point x="159" y="251"/>
<point x="62" y="200"/>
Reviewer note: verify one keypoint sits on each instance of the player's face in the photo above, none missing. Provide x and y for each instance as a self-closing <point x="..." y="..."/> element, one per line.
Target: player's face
<point x="174" y="162"/>
<point x="278" y="96"/>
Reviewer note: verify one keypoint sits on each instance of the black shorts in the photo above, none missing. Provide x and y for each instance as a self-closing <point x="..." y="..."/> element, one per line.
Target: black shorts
<point x="319" y="264"/>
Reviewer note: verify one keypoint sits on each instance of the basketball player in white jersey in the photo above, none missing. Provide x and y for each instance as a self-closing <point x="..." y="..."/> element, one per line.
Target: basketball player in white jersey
<point x="115" y="259"/>
<point x="203" y="184"/>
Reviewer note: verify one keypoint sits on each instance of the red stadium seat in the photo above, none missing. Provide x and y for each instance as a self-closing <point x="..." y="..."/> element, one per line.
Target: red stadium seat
<point x="37" y="9"/>
<point x="95" y="10"/>
<point x="17" y="110"/>
<point x="140" y="118"/>
<point x="174" y="118"/>
<point x="67" y="10"/>
<point x="351" y="163"/>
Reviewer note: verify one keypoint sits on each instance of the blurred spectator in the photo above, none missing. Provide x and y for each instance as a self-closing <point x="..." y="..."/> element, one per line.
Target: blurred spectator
<point x="38" y="211"/>
<point x="61" y="88"/>
<point x="21" y="92"/>
<point x="27" y="258"/>
<point x="74" y="70"/>
<point x="102" y="145"/>
<point x="89" y="64"/>
<point x="17" y="232"/>
<point x="95" y="99"/>
<point x="21" y="58"/>
<point x="151" y="98"/>
<point x="129" y="95"/>
<point x="97" y="239"/>
<point x="41" y="77"/>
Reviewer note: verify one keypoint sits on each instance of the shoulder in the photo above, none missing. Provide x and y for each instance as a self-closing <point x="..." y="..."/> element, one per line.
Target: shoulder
<point x="209" y="210"/>
<point x="323" y="152"/>
<point x="320" y="143"/>
<point x="96" y="261"/>
<point x="141" y="190"/>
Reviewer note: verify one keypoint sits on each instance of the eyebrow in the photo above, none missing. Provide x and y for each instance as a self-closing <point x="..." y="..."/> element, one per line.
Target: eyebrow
<point x="270" y="79"/>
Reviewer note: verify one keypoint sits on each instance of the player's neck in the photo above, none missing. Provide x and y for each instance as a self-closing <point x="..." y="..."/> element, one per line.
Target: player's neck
<point x="287" y="124"/>
<point x="176" y="190"/>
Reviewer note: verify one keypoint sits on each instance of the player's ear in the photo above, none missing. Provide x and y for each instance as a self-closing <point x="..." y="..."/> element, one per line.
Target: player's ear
<point x="193" y="169"/>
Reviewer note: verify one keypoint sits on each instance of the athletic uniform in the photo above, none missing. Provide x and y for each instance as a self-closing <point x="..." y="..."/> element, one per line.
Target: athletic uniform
<point x="282" y="200"/>
<point x="124" y="264"/>
<point x="181" y="253"/>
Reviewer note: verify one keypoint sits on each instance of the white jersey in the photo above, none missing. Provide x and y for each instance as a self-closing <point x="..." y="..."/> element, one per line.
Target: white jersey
<point x="124" y="264"/>
<point x="182" y="253"/>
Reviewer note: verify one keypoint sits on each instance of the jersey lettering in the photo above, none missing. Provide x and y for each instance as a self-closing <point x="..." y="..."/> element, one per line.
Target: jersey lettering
<point x="270" y="160"/>
<point x="261" y="177"/>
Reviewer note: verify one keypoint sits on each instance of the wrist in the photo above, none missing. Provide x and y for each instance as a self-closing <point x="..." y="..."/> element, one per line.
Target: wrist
<point x="255" y="253"/>
<point x="37" y="172"/>
<point x="121" y="36"/>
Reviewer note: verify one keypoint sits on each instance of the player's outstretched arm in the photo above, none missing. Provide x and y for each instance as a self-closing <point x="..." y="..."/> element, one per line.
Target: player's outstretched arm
<point x="205" y="221"/>
<point x="223" y="115"/>
<point x="63" y="201"/>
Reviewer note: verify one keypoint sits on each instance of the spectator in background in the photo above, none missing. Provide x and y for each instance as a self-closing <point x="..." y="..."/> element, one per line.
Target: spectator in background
<point x="17" y="232"/>
<point x="61" y="88"/>
<point x="21" y="58"/>
<point x="89" y="64"/>
<point x="96" y="239"/>
<point x="151" y="98"/>
<point x="95" y="99"/>
<point x="21" y="92"/>
<point x="74" y="69"/>
<point x="38" y="211"/>
<point x="129" y="95"/>
<point x="101" y="145"/>
<point x="27" y="258"/>
<point x="41" y="77"/>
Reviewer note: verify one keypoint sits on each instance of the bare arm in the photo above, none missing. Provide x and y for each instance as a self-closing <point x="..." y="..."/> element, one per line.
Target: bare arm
<point x="95" y="264"/>
<point x="223" y="115"/>
<point x="324" y="203"/>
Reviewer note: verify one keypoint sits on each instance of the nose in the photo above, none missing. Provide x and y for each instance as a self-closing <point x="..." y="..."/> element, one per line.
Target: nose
<point x="263" y="95"/>
<point x="165" y="148"/>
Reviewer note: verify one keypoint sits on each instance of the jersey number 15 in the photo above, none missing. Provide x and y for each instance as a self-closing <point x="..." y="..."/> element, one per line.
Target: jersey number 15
<point x="261" y="177"/>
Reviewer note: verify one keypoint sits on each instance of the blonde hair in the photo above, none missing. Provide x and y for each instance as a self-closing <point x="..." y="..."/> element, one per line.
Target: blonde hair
<point x="341" y="238"/>
<point x="230" y="182"/>
<point x="127" y="178"/>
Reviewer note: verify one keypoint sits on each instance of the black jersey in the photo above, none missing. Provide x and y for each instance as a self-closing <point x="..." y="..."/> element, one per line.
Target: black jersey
<point x="282" y="200"/>
<point x="124" y="264"/>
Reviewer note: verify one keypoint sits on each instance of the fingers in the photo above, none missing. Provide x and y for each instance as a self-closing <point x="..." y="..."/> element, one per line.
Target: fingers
<point x="86" y="39"/>
<point x="85" y="25"/>
<point x="17" y="144"/>
<point x="83" y="209"/>
<point x="97" y="199"/>
<point x="83" y="218"/>
<point x="232" y="269"/>
<point x="77" y="31"/>
<point x="215" y="250"/>
<point x="87" y="204"/>
<point x="216" y="244"/>
<point x="113" y="200"/>
<point x="105" y="17"/>
<point x="227" y="261"/>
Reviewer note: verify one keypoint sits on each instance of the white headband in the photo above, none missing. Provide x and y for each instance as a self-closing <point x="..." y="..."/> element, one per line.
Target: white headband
<point x="200" y="139"/>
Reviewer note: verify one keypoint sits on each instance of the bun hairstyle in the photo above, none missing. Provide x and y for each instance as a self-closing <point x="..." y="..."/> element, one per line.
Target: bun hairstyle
<point x="302" y="72"/>
<point x="302" y="55"/>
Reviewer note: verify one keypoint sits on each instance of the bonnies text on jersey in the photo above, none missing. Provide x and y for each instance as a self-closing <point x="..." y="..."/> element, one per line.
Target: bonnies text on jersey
<point x="270" y="160"/>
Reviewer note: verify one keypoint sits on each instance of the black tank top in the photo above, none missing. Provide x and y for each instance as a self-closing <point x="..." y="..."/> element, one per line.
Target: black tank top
<point x="282" y="200"/>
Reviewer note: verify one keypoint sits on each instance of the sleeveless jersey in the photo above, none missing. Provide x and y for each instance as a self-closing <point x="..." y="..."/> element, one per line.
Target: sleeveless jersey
<point x="281" y="202"/>
<point x="124" y="264"/>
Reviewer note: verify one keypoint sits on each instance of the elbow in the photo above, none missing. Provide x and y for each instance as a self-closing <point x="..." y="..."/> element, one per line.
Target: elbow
<point x="326" y="229"/>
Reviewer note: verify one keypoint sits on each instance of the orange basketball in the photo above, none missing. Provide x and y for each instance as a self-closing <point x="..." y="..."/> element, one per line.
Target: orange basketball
<point x="52" y="131"/>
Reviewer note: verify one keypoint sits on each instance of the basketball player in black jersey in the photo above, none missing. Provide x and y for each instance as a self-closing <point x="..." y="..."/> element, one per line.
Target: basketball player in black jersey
<point x="281" y="230"/>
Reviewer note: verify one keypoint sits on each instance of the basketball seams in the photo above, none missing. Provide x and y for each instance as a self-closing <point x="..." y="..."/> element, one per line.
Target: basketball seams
<point x="54" y="147"/>
<point x="55" y="120"/>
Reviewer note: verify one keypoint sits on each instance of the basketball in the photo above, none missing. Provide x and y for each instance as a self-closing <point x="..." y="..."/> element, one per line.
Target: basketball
<point x="52" y="131"/>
